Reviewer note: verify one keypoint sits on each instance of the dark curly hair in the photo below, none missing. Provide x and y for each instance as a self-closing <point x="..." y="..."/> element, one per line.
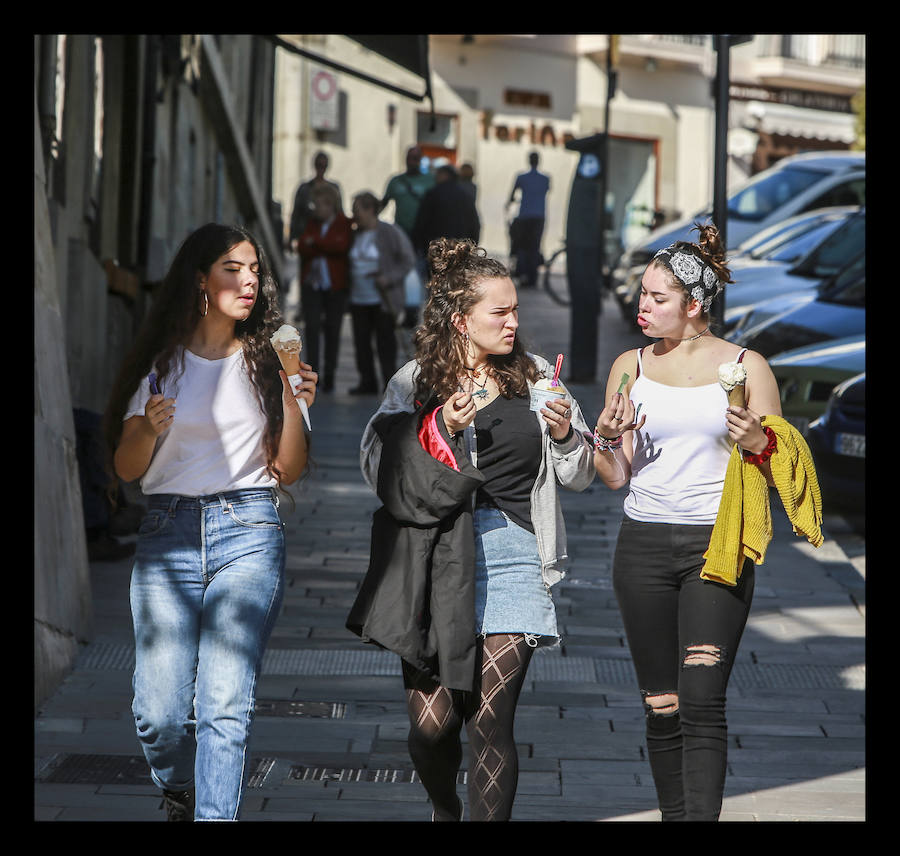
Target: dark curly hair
<point x="458" y="268"/>
<point x="171" y="322"/>
<point x="708" y="249"/>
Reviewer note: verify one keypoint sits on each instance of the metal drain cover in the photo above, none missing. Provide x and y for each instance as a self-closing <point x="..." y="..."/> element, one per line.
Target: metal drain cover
<point x="98" y="770"/>
<point x="314" y="709"/>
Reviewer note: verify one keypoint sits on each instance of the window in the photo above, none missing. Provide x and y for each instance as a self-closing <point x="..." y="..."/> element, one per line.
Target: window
<point x="851" y="192"/>
<point x="760" y="198"/>
<point x="838" y="249"/>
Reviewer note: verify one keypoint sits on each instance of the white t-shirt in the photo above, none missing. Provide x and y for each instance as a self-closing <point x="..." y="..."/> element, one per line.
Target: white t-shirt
<point x="215" y="441"/>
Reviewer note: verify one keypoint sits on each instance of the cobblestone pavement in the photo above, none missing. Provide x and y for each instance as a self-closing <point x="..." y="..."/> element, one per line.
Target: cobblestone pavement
<point x="329" y="739"/>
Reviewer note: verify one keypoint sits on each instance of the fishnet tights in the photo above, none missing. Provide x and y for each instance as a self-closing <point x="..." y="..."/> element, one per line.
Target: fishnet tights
<point x="436" y="715"/>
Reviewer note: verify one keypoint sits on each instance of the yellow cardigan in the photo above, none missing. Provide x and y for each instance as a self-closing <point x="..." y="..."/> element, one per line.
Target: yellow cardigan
<point x="743" y="525"/>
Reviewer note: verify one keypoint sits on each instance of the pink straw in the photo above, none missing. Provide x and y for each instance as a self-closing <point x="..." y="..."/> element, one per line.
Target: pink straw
<point x="555" y="381"/>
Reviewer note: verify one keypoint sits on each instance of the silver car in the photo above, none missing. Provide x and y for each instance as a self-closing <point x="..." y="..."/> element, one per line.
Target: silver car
<point x="792" y="186"/>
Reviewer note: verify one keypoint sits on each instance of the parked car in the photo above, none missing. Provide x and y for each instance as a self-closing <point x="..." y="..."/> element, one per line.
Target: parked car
<point x="807" y="376"/>
<point x="837" y="440"/>
<point x="835" y="310"/>
<point x="748" y="300"/>
<point x="791" y="186"/>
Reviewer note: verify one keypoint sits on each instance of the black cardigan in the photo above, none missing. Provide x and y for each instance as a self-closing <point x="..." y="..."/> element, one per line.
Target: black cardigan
<point x="418" y="596"/>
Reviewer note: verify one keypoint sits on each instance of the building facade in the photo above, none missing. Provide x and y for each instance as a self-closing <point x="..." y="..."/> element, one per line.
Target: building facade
<point x="499" y="97"/>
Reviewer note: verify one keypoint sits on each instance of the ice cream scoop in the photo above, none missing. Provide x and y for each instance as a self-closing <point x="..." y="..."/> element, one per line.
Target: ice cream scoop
<point x="287" y="344"/>
<point x="732" y="378"/>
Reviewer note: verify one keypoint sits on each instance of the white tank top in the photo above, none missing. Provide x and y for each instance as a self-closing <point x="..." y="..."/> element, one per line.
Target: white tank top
<point x="681" y="453"/>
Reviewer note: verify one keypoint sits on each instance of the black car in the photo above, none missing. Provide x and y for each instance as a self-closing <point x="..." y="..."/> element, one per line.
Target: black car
<point x="837" y="440"/>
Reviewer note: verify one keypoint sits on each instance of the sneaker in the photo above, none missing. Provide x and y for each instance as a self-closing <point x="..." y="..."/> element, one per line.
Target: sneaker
<point x="179" y="805"/>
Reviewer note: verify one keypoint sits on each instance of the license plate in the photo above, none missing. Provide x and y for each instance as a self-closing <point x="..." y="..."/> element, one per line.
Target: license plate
<point x="851" y="444"/>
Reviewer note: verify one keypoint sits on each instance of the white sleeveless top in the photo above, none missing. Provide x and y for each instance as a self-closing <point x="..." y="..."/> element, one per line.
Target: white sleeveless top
<point x="680" y="454"/>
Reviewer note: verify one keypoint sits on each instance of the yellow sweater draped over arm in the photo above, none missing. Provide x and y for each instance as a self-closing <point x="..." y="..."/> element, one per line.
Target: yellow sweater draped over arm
<point x="743" y="527"/>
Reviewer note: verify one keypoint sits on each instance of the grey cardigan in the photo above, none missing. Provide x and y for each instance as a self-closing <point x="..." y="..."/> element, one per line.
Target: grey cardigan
<point x="569" y="464"/>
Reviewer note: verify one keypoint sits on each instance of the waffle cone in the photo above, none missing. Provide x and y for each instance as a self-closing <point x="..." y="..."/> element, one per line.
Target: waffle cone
<point x="290" y="362"/>
<point x="736" y="396"/>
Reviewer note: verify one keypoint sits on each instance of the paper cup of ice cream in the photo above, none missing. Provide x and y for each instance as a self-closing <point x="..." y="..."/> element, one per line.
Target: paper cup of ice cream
<point x="543" y="392"/>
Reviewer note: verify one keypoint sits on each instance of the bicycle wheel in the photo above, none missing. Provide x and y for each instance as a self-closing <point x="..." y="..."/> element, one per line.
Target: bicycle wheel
<point x="554" y="278"/>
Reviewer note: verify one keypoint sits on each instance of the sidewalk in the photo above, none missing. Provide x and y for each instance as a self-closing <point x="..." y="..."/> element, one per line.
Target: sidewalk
<point x="330" y="734"/>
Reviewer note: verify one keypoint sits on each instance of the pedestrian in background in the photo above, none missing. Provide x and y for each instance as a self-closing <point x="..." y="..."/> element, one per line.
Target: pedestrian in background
<point x="467" y="181"/>
<point x="324" y="250"/>
<point x="303" y="203"/>
<point x="380" y="259"/>
<point x="684" y="623"/>
<point x="208" y="574"/>
<point x="407" y="190"/>
<point x="528" y="228"/>
<point x="471" y="535"/>
<point x="447" y="211"/>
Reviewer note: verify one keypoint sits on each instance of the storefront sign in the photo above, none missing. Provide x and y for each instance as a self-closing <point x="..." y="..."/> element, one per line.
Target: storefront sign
<point x="792" y="97"/>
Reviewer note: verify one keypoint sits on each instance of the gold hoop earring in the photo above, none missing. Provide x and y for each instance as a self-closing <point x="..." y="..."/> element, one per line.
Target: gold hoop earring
<point x="205" y="305"/>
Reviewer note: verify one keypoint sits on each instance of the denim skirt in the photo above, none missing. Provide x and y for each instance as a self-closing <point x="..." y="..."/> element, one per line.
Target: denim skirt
<point x="510" y="593"/>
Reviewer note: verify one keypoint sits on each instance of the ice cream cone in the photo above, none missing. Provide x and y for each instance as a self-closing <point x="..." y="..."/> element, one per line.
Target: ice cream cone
<point x="732" y="377"/>
<point x="736" y="396"/>
<point x="287" y="344"/>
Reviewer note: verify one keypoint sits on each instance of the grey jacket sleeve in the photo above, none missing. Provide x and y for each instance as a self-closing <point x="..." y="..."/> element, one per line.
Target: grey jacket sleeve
<point x="573" y="460"/>
<point x="399" y="397"/>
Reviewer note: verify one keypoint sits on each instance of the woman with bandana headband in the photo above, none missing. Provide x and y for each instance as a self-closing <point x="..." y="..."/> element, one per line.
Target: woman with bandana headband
<point x="683" y="630"/>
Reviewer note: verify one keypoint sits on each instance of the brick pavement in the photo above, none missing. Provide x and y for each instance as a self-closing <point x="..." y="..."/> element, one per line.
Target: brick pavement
<point x="330" y="734"/>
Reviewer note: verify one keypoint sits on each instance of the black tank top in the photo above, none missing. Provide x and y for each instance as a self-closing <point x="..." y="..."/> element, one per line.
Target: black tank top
<point x="509" y="456"/>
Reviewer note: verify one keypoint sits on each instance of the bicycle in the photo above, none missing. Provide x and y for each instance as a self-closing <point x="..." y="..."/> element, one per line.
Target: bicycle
<point x="553" y="277"/>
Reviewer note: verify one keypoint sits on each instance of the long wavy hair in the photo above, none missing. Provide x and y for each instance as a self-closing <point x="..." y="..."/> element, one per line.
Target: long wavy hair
<point x="170" y="324"/>
<point x="458" y="270"/>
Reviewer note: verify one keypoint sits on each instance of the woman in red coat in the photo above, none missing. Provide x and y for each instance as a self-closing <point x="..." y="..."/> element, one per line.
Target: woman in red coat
<point x="323" y="248"/>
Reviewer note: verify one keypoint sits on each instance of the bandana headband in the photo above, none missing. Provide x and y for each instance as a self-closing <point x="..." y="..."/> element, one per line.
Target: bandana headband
<point x="693" y="273"/>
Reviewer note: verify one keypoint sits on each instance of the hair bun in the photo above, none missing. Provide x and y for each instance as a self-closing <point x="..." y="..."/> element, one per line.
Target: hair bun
<point x="447" y="254"/>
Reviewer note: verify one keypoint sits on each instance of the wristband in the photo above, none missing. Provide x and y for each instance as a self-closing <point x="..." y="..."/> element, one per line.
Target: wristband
<point x="606" y="444"/>
<point x="566" y="438"/>
<point x="766" y="453"/>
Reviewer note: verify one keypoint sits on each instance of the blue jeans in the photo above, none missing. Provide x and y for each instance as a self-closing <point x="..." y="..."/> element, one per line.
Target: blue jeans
<point x="206" y="590"/>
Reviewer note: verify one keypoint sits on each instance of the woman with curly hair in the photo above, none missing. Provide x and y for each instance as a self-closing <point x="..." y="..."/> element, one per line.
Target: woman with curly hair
<point x="471" y="536"/>
<point x="207" y="581"/>
<point x="683" y="628"/>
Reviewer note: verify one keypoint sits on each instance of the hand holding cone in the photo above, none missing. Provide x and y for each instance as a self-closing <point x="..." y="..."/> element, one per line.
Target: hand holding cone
<point x="287" y="344"/>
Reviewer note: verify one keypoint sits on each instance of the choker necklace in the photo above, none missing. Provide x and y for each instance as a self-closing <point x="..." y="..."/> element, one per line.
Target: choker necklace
<point x="691" y="338"/>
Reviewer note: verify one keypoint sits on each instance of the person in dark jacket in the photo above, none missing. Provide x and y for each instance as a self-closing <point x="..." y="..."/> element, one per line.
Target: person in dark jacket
<point x="466" y="459"/>
<point x="324" y="249"/>
<point x="447" y="211"/>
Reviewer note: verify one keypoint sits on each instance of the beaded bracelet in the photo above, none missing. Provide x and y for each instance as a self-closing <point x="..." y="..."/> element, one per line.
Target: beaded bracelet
<point x="766" y="453"/>
<point x="606" y="444"/>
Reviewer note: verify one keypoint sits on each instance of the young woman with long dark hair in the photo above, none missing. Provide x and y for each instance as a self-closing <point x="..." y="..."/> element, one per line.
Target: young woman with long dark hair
<point x="204" y="416"/>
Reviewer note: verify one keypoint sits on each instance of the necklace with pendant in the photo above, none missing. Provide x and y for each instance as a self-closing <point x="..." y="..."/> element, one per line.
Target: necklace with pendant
<point x="482" y="392"/>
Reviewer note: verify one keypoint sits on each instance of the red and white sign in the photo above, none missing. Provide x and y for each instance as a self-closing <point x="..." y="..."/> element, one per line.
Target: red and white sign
<point x="323" y="100"/>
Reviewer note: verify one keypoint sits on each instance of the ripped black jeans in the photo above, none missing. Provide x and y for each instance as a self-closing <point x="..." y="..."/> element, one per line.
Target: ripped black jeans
<point x="683" y="633"/>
